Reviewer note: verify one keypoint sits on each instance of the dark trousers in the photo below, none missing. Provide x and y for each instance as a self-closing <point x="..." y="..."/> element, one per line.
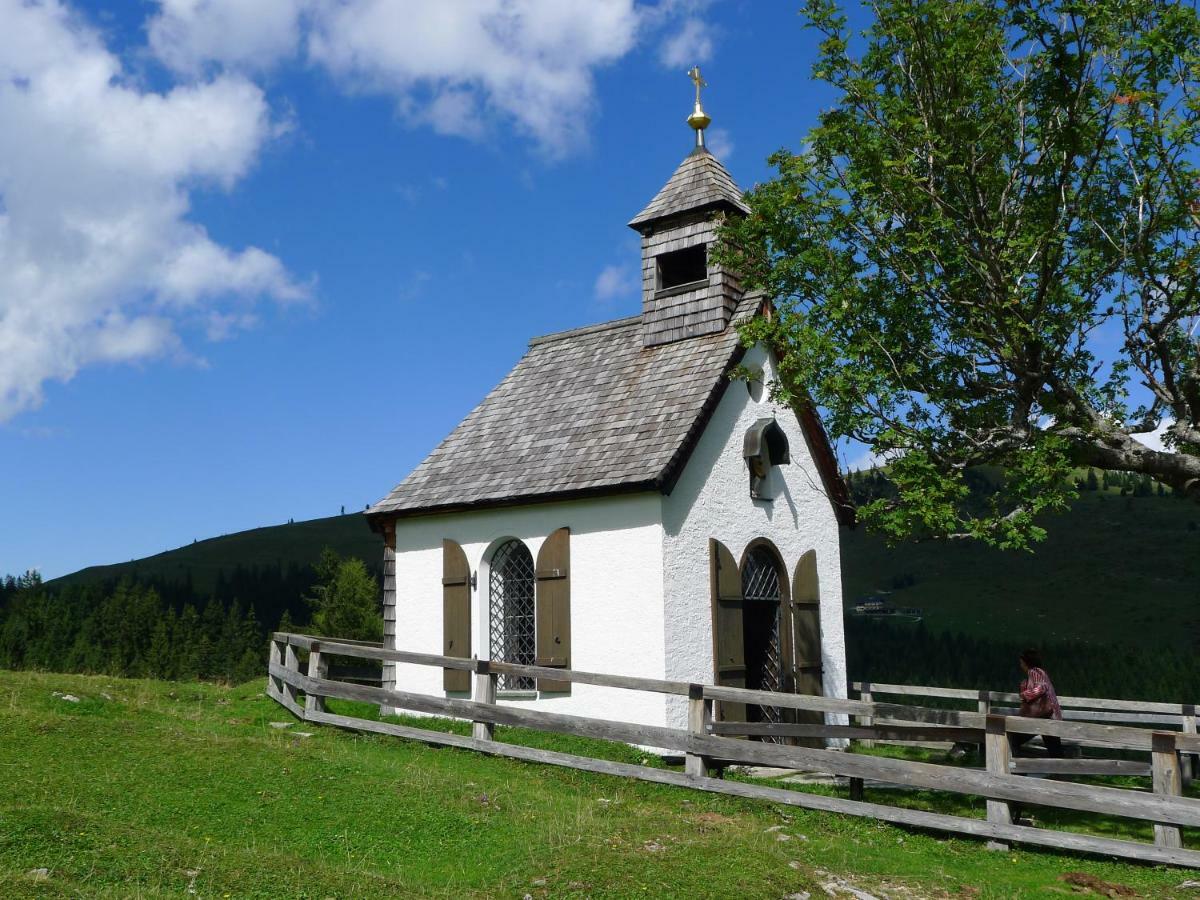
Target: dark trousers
<point x="1053" y="744"/>
<point x="1015" y="743"/>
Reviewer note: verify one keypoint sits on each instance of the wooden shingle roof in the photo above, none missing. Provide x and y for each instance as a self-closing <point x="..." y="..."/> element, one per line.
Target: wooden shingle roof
<point x="700" y="182"/>
<point x="584" y="412"/>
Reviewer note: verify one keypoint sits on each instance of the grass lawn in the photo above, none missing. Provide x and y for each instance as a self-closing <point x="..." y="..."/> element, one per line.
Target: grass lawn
<point x="152" y="789"/>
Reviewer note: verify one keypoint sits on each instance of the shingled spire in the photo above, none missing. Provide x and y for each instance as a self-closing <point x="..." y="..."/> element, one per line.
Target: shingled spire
<point x="683" y="294"/>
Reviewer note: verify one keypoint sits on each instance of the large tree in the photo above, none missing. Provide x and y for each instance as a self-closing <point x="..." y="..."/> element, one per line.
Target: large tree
<point x="986" y="252"/>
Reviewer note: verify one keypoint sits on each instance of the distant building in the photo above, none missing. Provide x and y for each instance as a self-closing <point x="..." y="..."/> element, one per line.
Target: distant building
<point x="617" y="504"/>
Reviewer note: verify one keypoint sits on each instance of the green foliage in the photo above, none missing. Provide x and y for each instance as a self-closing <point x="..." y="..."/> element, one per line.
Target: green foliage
<point x="996" y="185"/>
<point x="144" y="624"/>
<point x="126" y="629"/>
<point x="346" y="600"/>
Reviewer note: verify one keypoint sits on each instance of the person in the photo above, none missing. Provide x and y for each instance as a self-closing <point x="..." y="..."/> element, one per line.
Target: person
<point x="1038" y="701"/>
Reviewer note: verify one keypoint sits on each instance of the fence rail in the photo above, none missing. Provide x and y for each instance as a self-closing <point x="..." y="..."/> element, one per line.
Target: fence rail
<point x="709" y="742"/>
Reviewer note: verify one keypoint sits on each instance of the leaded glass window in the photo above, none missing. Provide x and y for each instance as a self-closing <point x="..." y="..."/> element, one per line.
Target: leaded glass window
<point x="511" y="592"/>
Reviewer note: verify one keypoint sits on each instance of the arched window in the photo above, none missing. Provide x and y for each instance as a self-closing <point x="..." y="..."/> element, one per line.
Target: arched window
<point x="511" y="593"/>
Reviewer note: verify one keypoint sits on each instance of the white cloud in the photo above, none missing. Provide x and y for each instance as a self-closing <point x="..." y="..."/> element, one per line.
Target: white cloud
<point x="462" y="67"/>
<point x="244" y="34"/>
<point x="615" y="282"/>
<point x="458" y="66"/>
<point x="98" y="262"/>
<point x="690" y="44"/>
<point x="1154" y="439"/>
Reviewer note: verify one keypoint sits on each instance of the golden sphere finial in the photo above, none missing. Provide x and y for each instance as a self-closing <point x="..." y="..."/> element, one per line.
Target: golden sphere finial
<point x="699" y="119"/>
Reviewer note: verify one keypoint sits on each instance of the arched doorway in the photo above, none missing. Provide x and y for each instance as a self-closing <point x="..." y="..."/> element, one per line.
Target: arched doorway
<point x="764" y="594"/>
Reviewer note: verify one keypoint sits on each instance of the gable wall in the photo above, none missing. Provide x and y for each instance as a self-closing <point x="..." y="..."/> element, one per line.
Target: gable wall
<point x="712" y="500"/>
<point x="616" y="594"/>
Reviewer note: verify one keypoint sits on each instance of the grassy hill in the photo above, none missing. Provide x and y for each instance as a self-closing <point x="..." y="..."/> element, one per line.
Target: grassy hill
<point x="149" y="789"/>
<point x="295" y="544"/>
<point x="1114" y="570"/>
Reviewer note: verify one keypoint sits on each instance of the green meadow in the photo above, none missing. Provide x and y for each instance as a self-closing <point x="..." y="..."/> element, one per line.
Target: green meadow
<point x="149" y="789"/>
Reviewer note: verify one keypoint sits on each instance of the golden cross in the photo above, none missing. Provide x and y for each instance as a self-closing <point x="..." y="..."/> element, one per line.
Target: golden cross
<point x="697" y="80"/>
<point x="699" y="119"/>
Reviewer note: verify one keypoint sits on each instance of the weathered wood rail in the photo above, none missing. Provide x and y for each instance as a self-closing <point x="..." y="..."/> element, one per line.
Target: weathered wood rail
<point x="1142" y="713"/>
<point x="707" y="742"/>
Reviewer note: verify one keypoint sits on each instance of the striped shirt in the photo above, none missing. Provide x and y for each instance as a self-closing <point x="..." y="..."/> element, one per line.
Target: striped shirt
<point x="1036" y="685"/>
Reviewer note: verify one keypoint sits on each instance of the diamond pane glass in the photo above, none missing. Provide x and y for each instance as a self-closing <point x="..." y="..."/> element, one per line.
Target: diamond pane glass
<point x="511" y="624"/>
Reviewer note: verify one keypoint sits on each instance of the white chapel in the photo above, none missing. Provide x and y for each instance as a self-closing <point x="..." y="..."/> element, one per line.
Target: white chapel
<point x="619" y="504"/>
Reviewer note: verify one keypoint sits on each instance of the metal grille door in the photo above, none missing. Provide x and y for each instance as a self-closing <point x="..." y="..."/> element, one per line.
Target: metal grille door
<point x="760" y="585"/>
<point x="511" y="592"/>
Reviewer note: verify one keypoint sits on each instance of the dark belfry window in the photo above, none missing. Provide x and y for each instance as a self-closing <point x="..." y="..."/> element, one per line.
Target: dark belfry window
<point x="511" y="594"/>
<point x="682" y="267"/>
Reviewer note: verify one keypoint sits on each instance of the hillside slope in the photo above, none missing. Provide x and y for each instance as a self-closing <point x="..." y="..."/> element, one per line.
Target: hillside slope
<point x="295" y="544"/>
<point x="1115" y="570"/>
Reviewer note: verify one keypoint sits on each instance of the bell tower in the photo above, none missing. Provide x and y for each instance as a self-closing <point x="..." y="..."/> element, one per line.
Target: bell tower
<point x="684" y="294"/>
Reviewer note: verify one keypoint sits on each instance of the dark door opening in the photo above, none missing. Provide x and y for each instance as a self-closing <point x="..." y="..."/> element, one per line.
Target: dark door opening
<point x="761" y="630"/>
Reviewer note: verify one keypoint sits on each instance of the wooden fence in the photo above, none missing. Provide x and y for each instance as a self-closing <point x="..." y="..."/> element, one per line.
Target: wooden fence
<point x="708" y="743"/>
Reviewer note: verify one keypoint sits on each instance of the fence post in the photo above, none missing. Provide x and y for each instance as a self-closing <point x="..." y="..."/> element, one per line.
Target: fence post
<point x="1188" y="761"/>
<point x="1164" y="760"/>
<point x="866" y="721"/>
<point x="985" y="702"/>
<point x="274" y="681"/>
<point x="318" y="667"/>
<point x="699" y="715"/>
<point x="996" y="749"/>
<point x="291" y="662"/>
<point x="485" y="692"/>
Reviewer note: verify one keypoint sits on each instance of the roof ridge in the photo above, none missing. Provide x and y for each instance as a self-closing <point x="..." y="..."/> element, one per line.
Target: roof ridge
<point x="584" y="329"/>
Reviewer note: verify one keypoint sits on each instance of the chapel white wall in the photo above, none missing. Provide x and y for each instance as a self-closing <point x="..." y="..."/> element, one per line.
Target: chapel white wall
<point x="712" y="500"/>
<point x="616" y="594"/>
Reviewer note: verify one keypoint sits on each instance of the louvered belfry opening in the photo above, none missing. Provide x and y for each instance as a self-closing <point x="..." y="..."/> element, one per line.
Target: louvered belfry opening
<point x="512" y="607"/>
<point x="761" y="597"/>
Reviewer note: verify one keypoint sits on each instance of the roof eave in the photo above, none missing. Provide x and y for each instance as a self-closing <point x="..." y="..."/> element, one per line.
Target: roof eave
<point x="378" y="516"/>
<point x="642" y="222"/>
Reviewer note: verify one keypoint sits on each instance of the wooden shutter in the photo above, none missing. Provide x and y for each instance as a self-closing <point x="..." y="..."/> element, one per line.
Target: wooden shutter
<point x="806" y="642"/>
<point x="553" y="620"/>
<point x="729" y="649"/>
<point x="806" y="626"/>
<point x="456" y="613"/>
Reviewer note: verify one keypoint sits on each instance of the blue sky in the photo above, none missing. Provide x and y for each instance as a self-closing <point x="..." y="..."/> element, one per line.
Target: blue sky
<point x="258" y="266"/>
